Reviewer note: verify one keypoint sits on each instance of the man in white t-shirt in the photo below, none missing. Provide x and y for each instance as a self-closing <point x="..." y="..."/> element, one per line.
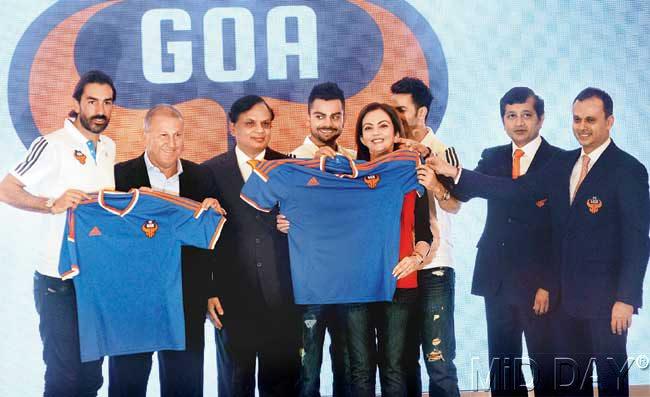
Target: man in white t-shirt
<point x="435" y="329"/>
<point x="326" y="109"/>
<point x="58" y="171"/>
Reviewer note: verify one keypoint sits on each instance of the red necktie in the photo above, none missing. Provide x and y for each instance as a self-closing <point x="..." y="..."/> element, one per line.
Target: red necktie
<point x="516" y="166"/>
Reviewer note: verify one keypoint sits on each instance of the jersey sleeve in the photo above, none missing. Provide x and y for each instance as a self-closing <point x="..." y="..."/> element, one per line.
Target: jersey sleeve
<point x="263" y="190"/>
<point x="39" y="164"/>
<point x="199" y="228"/>
<point x="68" y="264"/>
<point x="410" y="177"/>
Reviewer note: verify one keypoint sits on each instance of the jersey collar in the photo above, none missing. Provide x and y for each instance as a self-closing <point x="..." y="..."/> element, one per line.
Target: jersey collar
<point x="116" y="211"/>
<point x="353" y="167"/>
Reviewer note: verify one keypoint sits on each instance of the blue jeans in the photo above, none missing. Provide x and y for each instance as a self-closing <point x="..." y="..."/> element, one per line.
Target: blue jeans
<point x="438" y="339"/>
<point x="65" y="374"/>
<point x="385" y="321"/>
<point x="180" y="372"/>
<point x="316" y="319"/>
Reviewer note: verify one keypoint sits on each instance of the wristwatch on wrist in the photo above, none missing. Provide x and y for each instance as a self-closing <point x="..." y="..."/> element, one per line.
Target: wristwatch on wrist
<point x="49" y="203"/>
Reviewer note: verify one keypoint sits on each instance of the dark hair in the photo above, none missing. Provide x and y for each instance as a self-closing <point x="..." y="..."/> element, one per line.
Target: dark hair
<point x="362" y="150"/>
<point x="521" y="95"/>
<point x="244" y="104"/>
<point x="591" y="92"/>
<point x="92" y="76"/>
<point x="419" y="91"/>
<point x="327" y="92"/>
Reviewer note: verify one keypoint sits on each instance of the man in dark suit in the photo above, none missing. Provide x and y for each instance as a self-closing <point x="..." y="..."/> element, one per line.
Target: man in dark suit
<point x="161" y="168"/>
<point x="512" y="270"/>
<point x="600" y="218"/>
<point x="254" y="312"/>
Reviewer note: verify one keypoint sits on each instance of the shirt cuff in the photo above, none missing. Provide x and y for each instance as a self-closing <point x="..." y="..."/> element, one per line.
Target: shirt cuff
<point x="457" y="178"/>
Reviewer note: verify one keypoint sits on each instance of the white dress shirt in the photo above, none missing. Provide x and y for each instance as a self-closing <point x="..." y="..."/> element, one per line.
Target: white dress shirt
<point x="529" y="149"/>
<point x="242" y="158"/>
<point x="159" y="181"/>
<point x="593" y="157"/>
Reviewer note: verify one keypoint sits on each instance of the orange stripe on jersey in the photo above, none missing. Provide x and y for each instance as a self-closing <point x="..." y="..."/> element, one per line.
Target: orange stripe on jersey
<point x="253" y="203"/>
<point x="217" y="233"/>
<point x="262" y="175"/>
<point x="267" y="166"/>
<point x="180" y="201"/>
<point x="71" y="231"/>
<point x="74" y="270"/>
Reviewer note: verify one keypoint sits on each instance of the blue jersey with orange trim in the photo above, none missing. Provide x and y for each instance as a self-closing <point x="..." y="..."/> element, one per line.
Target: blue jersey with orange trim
<point x="124" y="252"/>
<point x="345" y="222"/>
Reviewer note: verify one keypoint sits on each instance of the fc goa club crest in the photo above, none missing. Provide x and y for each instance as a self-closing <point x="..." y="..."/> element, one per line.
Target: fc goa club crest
<point x="201" y="56"/>
<point x="150" y="228"/>
<point x="372" y="180"/>
<point x="80" y="156"/>
<point x="594" y="204"/>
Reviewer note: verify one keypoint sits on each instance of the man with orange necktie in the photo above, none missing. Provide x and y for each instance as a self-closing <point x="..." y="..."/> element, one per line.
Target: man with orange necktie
<point x="512" y="266"/>
<point x="600" y="214"/>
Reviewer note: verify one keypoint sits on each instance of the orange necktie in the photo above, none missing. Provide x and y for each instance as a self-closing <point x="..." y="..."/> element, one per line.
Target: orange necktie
<point x="583" y="174"/>
<point x="516" y="166"/>
<point x="253" y="163"/>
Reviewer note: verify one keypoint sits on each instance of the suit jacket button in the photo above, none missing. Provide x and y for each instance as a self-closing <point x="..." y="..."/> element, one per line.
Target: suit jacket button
<point x="257" y="240"/>
<point x="259" y="264"/>
<point x="509" y="220"/>
<point x="258" y="217"/>
<point x="503" y="244"/>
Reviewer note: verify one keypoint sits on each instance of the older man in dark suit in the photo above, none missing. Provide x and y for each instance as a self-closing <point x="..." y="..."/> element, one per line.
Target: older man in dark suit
<point x="161" y="168"/>
<point x="254" y="311"/>
<point x="600" y="215"/>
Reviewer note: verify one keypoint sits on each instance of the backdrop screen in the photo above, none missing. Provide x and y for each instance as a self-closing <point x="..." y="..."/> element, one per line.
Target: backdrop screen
<point x="201" y="56"/>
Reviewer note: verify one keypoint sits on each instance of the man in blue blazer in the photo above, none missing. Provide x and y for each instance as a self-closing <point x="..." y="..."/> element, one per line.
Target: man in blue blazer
<point x="600" y="217"/>
<point x="512" y="270"/>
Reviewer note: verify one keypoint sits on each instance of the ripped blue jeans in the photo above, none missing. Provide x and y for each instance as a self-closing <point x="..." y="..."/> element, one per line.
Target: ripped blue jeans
<point x="316" y="320"/>
<point x="436" y="287"/>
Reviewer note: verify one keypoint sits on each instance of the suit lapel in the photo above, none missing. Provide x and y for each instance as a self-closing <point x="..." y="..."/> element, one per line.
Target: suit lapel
<point x="235" y="176"/>
<point x="541" y="156"/>
<point x="140" y="174"/>
<point x="504" y="161"/>
<point x="184" y="187"/>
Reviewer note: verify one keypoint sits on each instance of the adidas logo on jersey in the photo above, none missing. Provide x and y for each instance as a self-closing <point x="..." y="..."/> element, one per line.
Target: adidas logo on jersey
<point x="94" y="232"/>
<point x="313" y="181"/>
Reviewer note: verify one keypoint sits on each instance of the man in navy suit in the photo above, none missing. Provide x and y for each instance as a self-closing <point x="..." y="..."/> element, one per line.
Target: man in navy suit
<point x="252" y="305"/>
<point x="512" y="269"/>
<point x="600" y="217"/>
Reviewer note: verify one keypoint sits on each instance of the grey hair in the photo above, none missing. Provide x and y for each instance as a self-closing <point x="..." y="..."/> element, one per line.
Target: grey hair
<point x="166" y="109"/>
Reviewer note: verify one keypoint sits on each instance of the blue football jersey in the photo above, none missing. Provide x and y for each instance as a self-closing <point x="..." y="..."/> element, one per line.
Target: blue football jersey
<point x="124" y="252"/>
<point x="345" y="222"/>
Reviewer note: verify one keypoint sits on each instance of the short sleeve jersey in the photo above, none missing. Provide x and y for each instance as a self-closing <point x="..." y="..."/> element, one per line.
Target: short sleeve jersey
<point x="345" y="222"/>
<point x="56" y="162"/>
<point x="124" y="252"/>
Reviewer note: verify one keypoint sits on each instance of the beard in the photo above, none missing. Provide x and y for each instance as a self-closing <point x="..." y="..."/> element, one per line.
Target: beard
<point x="330" y="137"/>
<point x="95" y="129"/>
